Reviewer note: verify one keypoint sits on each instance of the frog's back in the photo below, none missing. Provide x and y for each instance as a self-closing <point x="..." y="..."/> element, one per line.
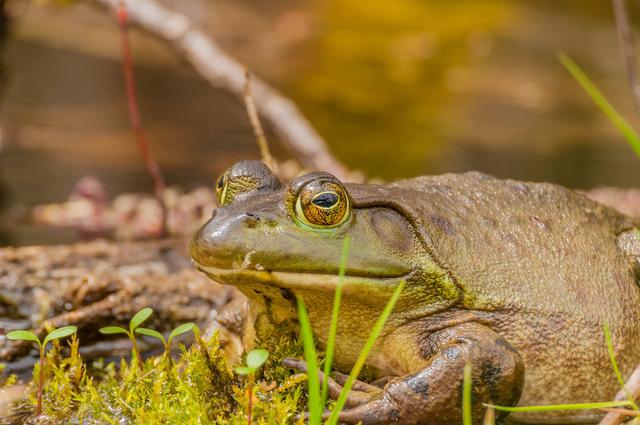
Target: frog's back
<point x="543" y="265"/>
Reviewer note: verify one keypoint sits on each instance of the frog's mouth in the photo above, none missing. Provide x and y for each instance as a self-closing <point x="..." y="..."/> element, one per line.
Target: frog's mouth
<point x="299" y="280"/>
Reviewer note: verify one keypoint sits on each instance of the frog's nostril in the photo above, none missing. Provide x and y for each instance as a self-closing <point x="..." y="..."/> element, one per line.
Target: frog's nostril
<point x="250" y="219"/>
<point x="213" y="214"/>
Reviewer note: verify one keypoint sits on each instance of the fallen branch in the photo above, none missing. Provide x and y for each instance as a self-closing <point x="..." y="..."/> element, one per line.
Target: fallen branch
<point x="224" y="72"/>
<point x="632" y="387"/>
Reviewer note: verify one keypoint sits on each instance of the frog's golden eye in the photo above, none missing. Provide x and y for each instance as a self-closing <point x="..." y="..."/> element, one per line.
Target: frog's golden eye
<point x="322" y="204"/>
<point x="221" y="188"/>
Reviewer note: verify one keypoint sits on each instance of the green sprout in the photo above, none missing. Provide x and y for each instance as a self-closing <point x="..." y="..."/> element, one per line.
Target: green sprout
<point x="137" y="319"/>
<point x="62" y="332"/>
<point x="182" y="329"/>
<point x="255" y="359"/>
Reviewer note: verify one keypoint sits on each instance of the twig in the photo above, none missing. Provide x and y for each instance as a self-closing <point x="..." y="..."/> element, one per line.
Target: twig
<point x="625" y="412"/>
<point x="258" y="131"/>
<point x="224" y="72"/>
<point x="625" y="38"/>
<point x="632" y="387"/>
<point x="134" y="115"/>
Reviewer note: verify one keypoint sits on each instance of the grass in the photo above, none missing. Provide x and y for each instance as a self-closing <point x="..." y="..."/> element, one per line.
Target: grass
<point x="607" y="108"/>
<point x="333" y="327"/>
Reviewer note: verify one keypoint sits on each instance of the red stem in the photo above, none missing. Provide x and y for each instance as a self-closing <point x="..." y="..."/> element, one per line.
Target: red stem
<point x="134" y="114"/>
<point x="40" y="383"/>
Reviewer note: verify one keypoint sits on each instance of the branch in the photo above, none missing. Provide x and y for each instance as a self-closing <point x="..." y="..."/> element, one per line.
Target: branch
<point x="224" y="72"/>
<point x="252" y="113"/>
<point x="625" y="38"/>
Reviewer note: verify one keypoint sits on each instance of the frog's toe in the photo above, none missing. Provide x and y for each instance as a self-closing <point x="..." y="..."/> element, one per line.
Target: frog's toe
<point x="358" y="385"/>
<point x="360" y="393"/>
<point x="375" y="412"/>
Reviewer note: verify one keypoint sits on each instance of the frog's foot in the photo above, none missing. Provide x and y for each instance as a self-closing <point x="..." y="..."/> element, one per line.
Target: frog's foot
<point x="360" y="393"/>
<point x="433" y="395"/>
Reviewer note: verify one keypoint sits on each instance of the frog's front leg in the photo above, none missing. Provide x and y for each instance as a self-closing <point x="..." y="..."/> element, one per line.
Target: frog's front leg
<point x="433" y="396"/>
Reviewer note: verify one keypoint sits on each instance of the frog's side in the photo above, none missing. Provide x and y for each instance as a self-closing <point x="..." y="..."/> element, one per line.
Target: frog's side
<point x="515" y="278"/>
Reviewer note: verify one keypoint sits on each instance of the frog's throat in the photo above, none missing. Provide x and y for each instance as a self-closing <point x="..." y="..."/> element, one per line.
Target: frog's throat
<point x="294" y="280"/>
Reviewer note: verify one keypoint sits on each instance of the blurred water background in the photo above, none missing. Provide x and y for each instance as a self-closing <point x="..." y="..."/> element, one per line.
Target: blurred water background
<point x="397" y="88"/>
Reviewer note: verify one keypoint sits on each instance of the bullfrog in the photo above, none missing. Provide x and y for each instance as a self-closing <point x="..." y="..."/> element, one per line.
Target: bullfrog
<point x="516" y="279"/>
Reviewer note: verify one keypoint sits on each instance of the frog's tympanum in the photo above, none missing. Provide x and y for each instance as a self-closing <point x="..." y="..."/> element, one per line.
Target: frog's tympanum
<point x="518" y="279"/>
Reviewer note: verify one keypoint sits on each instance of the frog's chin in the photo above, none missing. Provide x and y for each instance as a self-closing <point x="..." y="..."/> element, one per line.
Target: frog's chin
<point x="293" y="280"/>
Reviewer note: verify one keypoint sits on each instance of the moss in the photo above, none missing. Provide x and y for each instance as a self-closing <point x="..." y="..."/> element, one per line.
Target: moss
<point x="196" y="387"/>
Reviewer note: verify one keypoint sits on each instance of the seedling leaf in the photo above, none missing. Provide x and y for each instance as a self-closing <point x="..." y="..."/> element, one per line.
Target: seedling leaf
<point x="24" y="336"/>
<point x="140" y="317"/>
<point x="243" y="370"/>
<point x="255" y="358"/>
<point x="151" y="332"/>
<point x="60" y="333"/>
<point x="183" y="328"/>
<point x="108" y="330"/>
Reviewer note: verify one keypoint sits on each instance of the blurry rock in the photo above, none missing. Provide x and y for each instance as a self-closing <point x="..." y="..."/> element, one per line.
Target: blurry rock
<point x="128" y="216"/>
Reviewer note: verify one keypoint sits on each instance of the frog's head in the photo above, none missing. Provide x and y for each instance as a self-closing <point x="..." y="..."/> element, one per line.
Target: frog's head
<point x="275" y="242"/>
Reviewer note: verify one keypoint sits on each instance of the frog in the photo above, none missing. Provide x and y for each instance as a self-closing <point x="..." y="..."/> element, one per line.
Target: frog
<point x="515" y="279"/>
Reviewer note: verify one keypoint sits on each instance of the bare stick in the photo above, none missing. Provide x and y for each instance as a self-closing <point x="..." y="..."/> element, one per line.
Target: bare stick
<point x="632" y="387"/>
<point x="224" y="72"/>
<point x="625" y="38"/>
<point x="134" y="115"/>
<point x="258" y="131"/>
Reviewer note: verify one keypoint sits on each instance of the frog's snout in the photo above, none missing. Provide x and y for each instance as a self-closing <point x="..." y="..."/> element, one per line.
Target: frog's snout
<point x="222" y="240"/>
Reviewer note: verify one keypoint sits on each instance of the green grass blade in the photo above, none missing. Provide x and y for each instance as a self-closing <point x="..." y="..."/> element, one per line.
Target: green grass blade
<point x="24" y="336"/>
<point x="139" y="318"/>
<point x="368" y="345"/>
<point x="109" y="330"/>
<point x="551" y="407"/>
<point x="596" y="95"/>
<point x="466" y="395"/>
<point x="333" y="327"/>
<point x="62" y="332"/>
<point x="315" y="402"/>
<point x="614" y="364"/>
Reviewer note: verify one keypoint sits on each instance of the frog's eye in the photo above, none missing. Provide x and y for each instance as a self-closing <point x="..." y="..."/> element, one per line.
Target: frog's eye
<point x="322" y="204"/>
<point x="221" y="188"/>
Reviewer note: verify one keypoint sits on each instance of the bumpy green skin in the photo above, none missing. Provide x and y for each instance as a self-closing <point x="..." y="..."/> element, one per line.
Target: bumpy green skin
<point x="516" y="278"/>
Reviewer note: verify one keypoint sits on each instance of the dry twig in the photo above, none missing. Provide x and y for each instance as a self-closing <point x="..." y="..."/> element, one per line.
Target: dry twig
<point x="625" y="38"/>
<point x="254" y="119"/>
<point x="223" y="71"/>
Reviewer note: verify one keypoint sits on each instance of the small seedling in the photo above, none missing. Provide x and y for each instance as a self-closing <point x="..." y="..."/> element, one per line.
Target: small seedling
<point x="137" y="319"/>
<point x="62" y="332"/>
<point x="255" y="359"/>
<point x="184" y="328"/>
